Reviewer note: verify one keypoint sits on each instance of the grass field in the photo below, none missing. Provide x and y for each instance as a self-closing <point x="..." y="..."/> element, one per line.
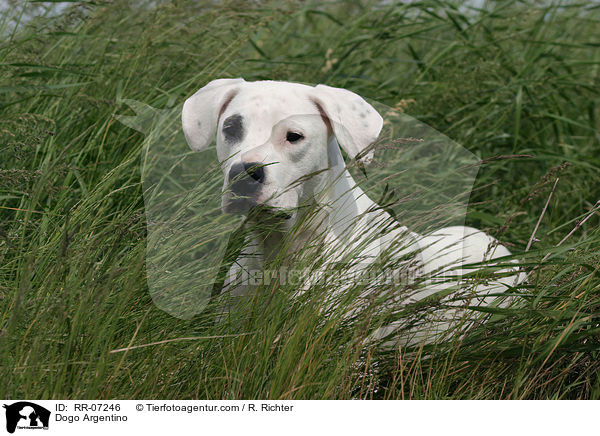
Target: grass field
<point x="516" y="83"/>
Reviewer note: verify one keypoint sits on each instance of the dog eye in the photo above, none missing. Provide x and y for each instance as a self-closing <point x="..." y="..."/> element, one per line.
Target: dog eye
<point x="293" y="136"/>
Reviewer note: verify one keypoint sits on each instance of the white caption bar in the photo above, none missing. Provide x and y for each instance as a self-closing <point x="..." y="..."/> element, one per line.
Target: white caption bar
<point x="158" y="417"/>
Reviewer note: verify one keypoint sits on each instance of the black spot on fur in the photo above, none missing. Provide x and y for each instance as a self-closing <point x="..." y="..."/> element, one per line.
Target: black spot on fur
<point x="233" y="128"/>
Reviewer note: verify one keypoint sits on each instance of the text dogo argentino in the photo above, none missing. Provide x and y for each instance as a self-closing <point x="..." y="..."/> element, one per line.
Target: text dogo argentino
<point x="278" y="144"/>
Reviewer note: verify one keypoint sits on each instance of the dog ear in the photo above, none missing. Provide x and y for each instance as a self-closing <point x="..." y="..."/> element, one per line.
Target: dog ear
<point x="355" y="123"/>
<point x="201" y="112"/>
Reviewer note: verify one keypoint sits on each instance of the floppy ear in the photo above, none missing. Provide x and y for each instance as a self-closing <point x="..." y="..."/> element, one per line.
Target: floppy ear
<point x="355" y="123"/>
<point x="201" y="111"/>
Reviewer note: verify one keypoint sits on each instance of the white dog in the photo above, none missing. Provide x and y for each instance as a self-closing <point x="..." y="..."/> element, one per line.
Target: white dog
<point x="278" y="144"/>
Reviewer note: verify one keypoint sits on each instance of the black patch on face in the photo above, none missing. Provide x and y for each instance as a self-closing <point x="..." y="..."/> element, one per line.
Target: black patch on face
<point x="233" y="128"/>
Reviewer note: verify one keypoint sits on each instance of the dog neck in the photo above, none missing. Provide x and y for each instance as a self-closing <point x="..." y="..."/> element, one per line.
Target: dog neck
<point x="345" y="201"/>
<point x="336" y="208"/>
<point x="281" y="239"/>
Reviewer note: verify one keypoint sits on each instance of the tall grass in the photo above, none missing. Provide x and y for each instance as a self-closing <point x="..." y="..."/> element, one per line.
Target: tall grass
<point x="516" y="83"/>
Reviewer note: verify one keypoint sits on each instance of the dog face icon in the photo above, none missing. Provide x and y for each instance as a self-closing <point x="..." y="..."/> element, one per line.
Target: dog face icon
<point x="27" y="414"/>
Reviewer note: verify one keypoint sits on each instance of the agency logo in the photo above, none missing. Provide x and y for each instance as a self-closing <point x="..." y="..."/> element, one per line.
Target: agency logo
<point x="26" y="415"/>
<point x="415" y="173"/>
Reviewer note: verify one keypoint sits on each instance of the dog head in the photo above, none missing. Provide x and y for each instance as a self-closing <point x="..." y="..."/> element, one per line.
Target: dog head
<point x="273" y="138"/>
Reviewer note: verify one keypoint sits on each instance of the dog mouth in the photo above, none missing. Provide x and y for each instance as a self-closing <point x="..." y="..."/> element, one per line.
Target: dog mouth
<point x="254" y="210"/>
<point x="239" y="205"/>
<point x="260" y="211"/>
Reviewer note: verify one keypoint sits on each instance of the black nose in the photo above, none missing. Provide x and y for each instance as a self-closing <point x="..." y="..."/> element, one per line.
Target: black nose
<point x="246" y="178"/>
